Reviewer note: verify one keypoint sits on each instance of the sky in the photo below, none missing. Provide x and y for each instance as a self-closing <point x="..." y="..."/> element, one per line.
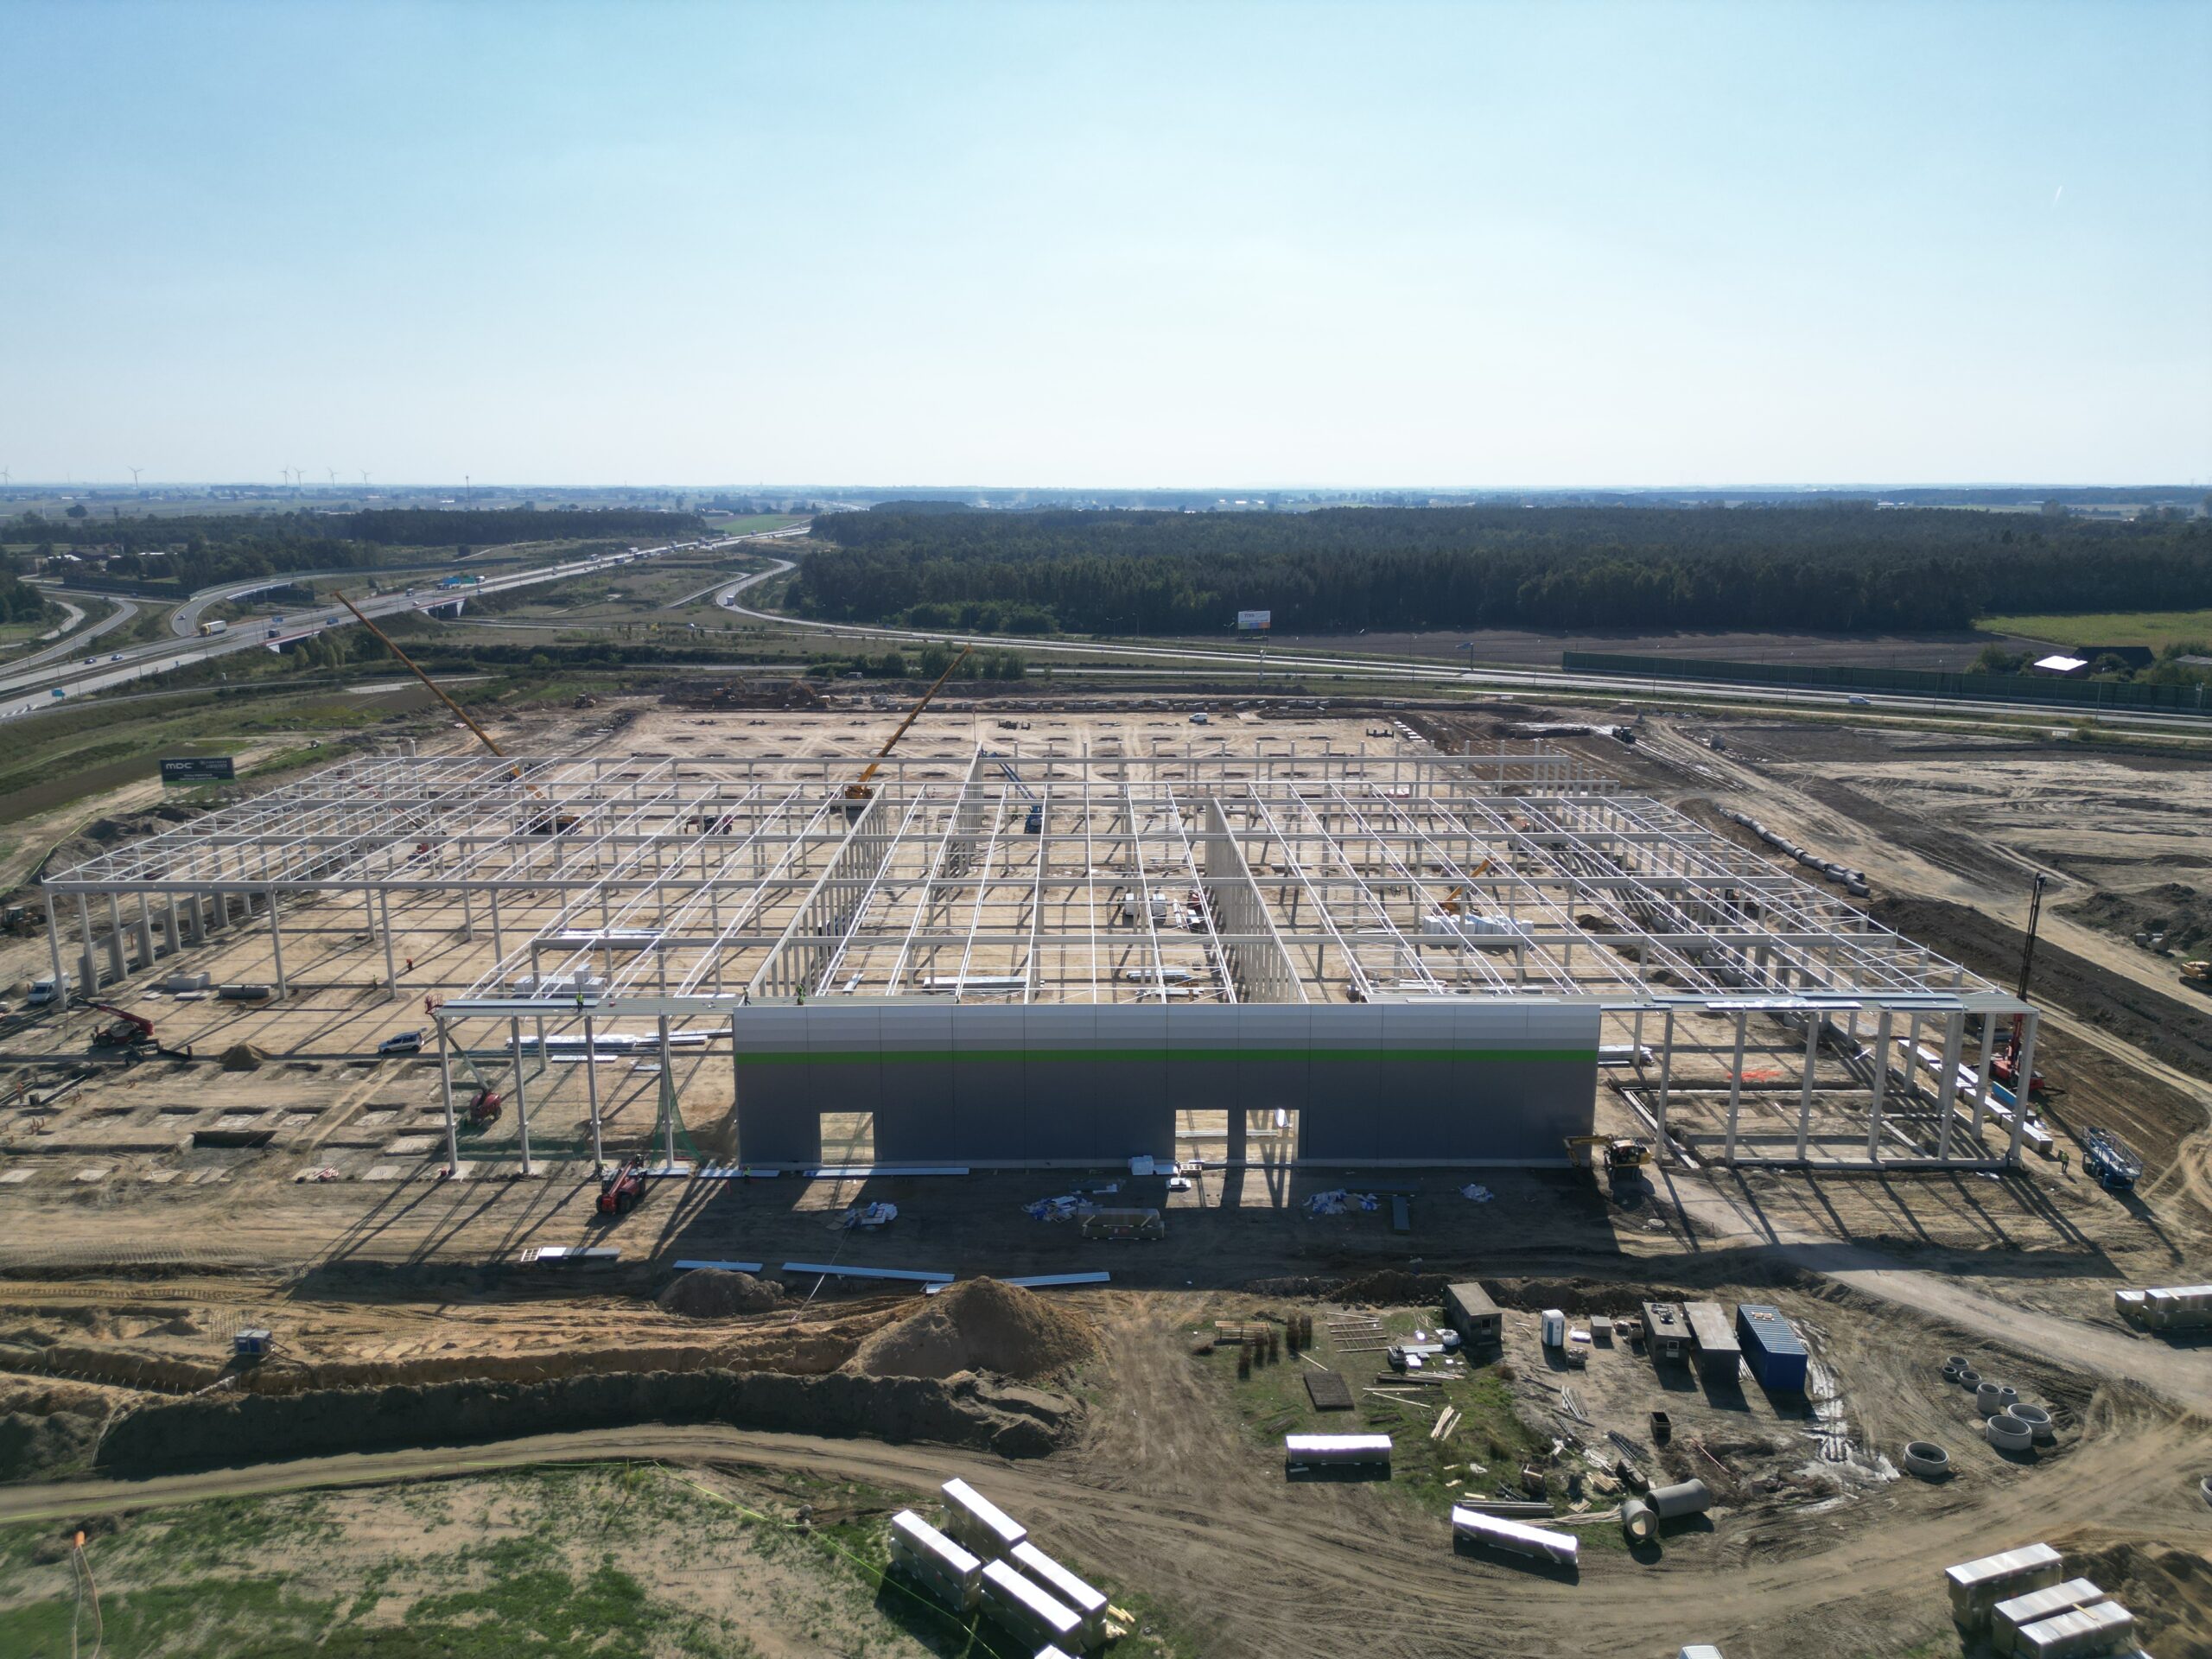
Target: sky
<point x="1109" y="244"/>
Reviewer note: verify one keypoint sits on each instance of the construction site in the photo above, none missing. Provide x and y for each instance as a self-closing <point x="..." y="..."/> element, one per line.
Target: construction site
<point x="986" y="1091"/>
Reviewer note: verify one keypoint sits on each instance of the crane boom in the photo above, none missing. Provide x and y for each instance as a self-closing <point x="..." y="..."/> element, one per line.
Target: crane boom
<point x="857" y="790"/>
<point x="436" y="690"/>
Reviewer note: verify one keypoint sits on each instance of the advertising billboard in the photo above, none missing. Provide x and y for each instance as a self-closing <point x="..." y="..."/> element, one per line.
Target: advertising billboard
<point x="1255" y="621"/>
<point x="199" y="769"/>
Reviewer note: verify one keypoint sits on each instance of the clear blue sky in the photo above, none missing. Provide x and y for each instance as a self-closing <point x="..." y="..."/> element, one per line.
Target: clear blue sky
<point x="1108" y="245"/>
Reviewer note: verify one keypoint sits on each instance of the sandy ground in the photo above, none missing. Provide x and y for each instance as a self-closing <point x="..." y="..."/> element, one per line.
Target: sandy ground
<point x="131" y="1258"/>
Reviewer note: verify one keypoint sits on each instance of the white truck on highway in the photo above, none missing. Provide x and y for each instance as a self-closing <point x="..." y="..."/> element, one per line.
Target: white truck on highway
<point x="216" y="626"/>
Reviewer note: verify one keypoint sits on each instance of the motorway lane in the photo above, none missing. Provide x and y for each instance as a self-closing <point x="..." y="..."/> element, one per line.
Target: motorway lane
<point x="21" y="693"/>
<point x="71" y="642"/>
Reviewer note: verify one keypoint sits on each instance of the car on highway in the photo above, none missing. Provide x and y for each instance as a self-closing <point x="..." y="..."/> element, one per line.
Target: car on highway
<point x="1860" y="703"/>
<point x="408" y="1042"/>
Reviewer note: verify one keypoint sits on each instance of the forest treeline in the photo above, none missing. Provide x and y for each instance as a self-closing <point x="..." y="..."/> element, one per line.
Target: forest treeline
<point x="1641" y="567"/>
<point x="193" y="551"/>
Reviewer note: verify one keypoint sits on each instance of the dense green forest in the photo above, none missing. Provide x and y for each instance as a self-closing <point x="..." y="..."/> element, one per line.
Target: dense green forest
<point x="189" y="552"/>
<point x="1641" y="567"/>
<point x="19" y="601"/>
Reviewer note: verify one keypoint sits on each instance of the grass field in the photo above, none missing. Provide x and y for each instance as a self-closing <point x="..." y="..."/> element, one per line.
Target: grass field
<point x="752" y="523"/>
<point x="2156" y="629"/>
<point x="546" y="1563"/>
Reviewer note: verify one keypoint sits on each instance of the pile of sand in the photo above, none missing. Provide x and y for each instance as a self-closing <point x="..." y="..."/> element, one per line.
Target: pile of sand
<point x="714" y="1293"/>
<point x="243" y="1057"/>
<point x="981" y="1325"/>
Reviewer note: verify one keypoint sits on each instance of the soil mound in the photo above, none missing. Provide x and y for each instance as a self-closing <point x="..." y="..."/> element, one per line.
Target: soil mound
<point x="981" y="1325"/>
<point x="243" y="1057"/>
<point x="716" y="1293"/>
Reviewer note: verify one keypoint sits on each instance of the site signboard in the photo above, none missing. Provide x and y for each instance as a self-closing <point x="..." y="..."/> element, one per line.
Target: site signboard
<point x="199" y="769"/>
<point x="1255" y="621"/>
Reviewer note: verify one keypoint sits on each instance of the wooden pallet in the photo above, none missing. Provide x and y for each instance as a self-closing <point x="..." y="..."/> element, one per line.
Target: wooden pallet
<point x="1328" y="1390"/>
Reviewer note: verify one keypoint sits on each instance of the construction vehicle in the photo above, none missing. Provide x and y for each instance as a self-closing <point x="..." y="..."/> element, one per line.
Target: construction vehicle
<point x="130" y="1030"/>
<point x="1451" y="902"/>
<point x="483" y="1108"/>
<point x="2005" y="1065"/>
<point x="857" y="793"/>
<point x="2108" y="1158"/>
<point x="2197" y="975"/>
<point x="621" y="1188"/>
<point x="1623" y="1156"/>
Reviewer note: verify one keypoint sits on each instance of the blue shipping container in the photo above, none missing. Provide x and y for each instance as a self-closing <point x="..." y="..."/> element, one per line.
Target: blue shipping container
<point x="1771" y="1348"/>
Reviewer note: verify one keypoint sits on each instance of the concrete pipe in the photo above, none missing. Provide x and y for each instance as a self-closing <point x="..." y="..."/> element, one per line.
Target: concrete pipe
<point x="2007" y="1398"/>
<point x="1952" y="1367"/>
<point x="1970" y="1378"/>
<point x="1637" y="1521"/>
<point x="2204" y="1489"/>
<point x="1986" y="1399"/>
<point x="2008" y="1433"/>
<point x="1684" y="1498"/>
<point x="2038" y="1422"/>
<point x="1927" y="1460"/>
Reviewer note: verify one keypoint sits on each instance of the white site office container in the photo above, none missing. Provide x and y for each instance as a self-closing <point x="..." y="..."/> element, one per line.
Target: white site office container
<point x="2008" y="1619"/>
<point x="1701" y="1650"/>
<point x="2105" y="1628"/>
<point x="1029" y="1612"/>
<point x="929" y="1555"/>
<point x="1048" y="1575"/>
<point x="1977" y="1587"/>
<point x="1344" y="1450"/>
<point x="978" y="1525"/>
<point x="1522" y="1540"/>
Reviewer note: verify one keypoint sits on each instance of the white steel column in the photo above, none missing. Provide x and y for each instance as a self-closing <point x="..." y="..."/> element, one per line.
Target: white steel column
<point x="591" y="1091"/>
<point x="1666" y="1075"/>
<point x="1881" y="1087"/>
<point x="522" y="1106"/>
<point x="668" y="1098"/>
<point x="2024" y="1083"/>
<point x="1981" y="1077"/>
<point x="1736" y="1086"/>
<point x="391" y="973"/>
<point x="53" y="949"/>
<point x="1947" y="1086"/>
<point x="445" y="1091"/>
<point x="1805" y="1098"/>
<point x="275" y="940"/>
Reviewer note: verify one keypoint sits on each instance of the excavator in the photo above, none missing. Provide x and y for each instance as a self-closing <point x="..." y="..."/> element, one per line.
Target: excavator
<point x="1451" y="902"/>
<point x="857" y="793"/>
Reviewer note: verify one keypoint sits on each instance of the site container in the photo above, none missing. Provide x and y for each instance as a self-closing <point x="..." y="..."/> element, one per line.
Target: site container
<point x="1771" y="1349"/>
<point x="1553" y="1325"/>
<point x="977" y="1523"/>
<point x="1515" y="1536"/>
<point x="1468" y="1310"/>
<point x="951" y="1573"/>
<point x="1340" y="1451"/>
<point x="1087" y="1605"/>
<point x="2106" y="1627"/>
<point x="1718" y="1355"/>
<point x="2177" y="1307"/>
<point x="1021" y="1607"/>
<point x="2008" y="1619"/>
<point x="1666" y="1333"/>
<point x="1977" y="1587"/>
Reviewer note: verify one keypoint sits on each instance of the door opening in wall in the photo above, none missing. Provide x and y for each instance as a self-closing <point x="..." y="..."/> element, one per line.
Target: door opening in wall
<point x="1271" y="1135"/>
<point x="849" y="1137"/>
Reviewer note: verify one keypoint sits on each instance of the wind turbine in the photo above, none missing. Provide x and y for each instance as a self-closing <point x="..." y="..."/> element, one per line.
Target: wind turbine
<point x="134" y="472"/>
<point x="365" y="480"/>
<point x="333" y="471"/>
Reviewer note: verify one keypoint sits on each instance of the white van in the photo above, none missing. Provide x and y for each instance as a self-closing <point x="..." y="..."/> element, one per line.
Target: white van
<point x="42" y="993"/>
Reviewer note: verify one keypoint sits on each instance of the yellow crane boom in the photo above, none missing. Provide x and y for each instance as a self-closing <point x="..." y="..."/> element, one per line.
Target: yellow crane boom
<point x="858" y="788"/>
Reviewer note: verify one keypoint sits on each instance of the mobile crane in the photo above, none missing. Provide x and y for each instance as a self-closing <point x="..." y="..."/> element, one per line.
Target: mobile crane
<point x="857" y="793"/>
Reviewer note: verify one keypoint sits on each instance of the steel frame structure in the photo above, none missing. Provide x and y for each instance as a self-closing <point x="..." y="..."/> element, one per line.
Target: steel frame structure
<point x="675" y="889"/>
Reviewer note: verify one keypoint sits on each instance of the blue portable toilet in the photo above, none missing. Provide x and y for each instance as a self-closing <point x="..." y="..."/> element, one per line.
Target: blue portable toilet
<point x="250" y="1344"/>
<point x="1771" y="1349"/>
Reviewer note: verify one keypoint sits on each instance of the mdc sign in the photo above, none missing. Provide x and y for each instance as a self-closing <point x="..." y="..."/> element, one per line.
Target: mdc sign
<point x="1255" y="621"/>
<point x="200" y="769"/>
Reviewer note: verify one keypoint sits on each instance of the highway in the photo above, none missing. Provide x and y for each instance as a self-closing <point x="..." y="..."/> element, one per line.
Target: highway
<point x="1429" y="670"/>
<point x="71" y="642"/>
<point x="26" y="688"/>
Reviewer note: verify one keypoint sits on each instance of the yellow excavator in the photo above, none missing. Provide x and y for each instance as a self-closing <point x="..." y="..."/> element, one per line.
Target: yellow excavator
<point x="1623" y="1156"/>
<point x="1451" y="902"/>
<point x="857" y="793"/>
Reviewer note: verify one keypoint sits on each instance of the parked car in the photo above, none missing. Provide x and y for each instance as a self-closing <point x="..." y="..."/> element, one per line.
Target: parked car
<point x="408" y="1042"/>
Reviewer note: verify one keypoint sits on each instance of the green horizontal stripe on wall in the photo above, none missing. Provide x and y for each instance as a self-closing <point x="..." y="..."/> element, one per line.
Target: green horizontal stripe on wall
<point x="1095" y="1056"/>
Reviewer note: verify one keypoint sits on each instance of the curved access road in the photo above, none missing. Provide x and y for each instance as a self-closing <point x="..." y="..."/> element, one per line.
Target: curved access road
<point x="1287" y="659"/>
